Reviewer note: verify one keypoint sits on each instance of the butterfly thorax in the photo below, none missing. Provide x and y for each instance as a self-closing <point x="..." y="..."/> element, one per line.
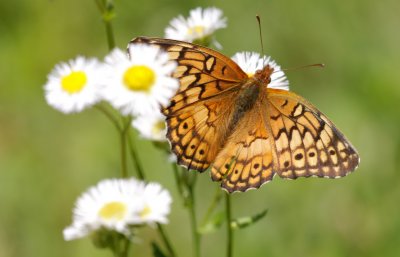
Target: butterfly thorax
<point x="245" y="101"/>
<point x="249" y="93"/>
<point x="264" y="76"/>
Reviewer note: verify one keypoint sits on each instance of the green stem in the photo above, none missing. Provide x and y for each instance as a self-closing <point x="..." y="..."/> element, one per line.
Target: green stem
<point x="109" y="115"/>
<point x="124" y="138"/>
<point x="214" y="203"/>
<point x="124" y="171"/>
<point x="126" y="247"/>
<point x="110" y="34"/>
<point x="106" y="8"/>
<point x="135" y="158"/>
<point x="178" y="179"/>
<point x="228" y="226"/>
<point x="166" y="240"/>
<point x="193" y="218"/>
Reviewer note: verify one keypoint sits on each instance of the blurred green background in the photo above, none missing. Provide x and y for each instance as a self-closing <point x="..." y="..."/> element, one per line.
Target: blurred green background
<point x="47" y="159"/>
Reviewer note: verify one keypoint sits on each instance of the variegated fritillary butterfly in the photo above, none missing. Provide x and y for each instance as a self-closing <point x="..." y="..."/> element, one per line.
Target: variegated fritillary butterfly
<point x="244" y="130"/>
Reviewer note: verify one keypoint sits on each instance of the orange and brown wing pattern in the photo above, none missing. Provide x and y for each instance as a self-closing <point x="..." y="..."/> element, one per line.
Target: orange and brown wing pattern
<point x="246" y="160"/>
<point x="198" y="114"/>
<point x="197" y="132"/>
<point x="306" y="142"/>
<point x="203" y="73"/>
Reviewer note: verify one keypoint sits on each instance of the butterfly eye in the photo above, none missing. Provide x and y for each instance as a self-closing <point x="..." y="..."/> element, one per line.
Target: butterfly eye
<point x="269" y="80"/>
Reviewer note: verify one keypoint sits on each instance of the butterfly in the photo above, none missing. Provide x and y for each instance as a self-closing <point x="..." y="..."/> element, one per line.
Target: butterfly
<point x="243" y="131"/>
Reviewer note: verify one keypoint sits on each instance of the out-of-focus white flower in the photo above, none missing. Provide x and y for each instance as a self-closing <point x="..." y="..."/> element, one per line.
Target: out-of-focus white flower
<point x="73" y="86"/>
<point x="140" y="83"/>
<point x="117" y="205"/>
<point x="151" y="127"/>
<point x="157" y="203"/>
<point x="112" y="204"/>
<point x="250" y="62"/>
<point x="198" y="27"/>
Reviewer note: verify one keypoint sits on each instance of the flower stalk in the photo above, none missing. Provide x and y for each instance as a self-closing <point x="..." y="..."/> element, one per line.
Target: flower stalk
<point x="229" y="231"/>
<point x="106" y="8"/>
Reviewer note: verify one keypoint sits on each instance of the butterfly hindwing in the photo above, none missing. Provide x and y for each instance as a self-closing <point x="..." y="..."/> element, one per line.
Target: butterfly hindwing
<point x="246" y="160"/>
<point x="307" y="143"/>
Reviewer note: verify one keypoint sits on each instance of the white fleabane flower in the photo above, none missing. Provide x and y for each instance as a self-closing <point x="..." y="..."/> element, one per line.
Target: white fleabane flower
<point x="73" y="86"/>
<point x="112" y="204"/>
<point x="250" y="62"/>
<point x="198" y="27"/>
<point x="151" y="127"/>
<point x="117" y="205"/>
<point x="140" y="83"/>
<point x="157" y="203"/>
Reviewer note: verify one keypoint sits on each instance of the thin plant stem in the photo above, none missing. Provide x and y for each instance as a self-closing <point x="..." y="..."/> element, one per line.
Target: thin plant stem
<point x="123" y="138"/>
<point x="229" y="240"/>
<point x="127" y="245"/>
<point x="123" y="130"/>
<point x="124" y="169"/>
<point x="106" y="8"/>
<point x="214" y="203"/>
<point x="193" y="218"/>
<point x="166" y="240"/>
<point x="109" y="115"/>
<point x="135" y="158"/>
<point x="178" y="179"/>
<point x="110" y="34"/>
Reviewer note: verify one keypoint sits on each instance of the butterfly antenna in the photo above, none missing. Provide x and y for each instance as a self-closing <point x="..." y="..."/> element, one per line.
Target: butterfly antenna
<point x="261" y="39"/>
<point x="321" y="65"/>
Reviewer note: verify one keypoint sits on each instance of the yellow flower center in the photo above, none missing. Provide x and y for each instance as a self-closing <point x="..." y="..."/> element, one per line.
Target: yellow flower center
<point x="158" y="127"/>
<point x="196" y="31"/>
<point x="113" y="210"/>
<point x="146" y="211"/>
<point x="139" y="78"/>
<point x="74" y="82"/>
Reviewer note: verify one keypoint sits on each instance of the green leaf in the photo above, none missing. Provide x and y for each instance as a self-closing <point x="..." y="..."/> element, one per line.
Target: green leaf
<point x="213" y="224"/>
<point x="247" y="221"/>
<point x="157" y="251"/>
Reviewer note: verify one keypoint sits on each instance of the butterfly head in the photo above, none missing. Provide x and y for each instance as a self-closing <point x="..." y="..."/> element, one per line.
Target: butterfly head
<point x="264" y="75"/>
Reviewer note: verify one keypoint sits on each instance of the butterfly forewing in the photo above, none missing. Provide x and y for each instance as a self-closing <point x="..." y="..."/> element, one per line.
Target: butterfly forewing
<point x="197" y="132"/>
<point x="198" y="115"/>
<point x="203" y="73"/>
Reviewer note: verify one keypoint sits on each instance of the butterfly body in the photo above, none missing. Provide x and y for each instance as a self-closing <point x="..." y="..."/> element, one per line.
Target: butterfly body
<point x="242" y="130"/>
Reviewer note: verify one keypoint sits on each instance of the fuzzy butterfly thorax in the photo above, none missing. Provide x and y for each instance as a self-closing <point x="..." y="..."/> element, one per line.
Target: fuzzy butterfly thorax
<point x="264" y="76"/>
<point x="242" y="130"/>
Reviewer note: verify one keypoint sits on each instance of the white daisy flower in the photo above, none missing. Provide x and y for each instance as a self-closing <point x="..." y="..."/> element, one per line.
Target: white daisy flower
<point x="157" y="202"/>
<point x="112" y="204"/>
<point x="250" y="62"/>
<point x="73" y="86"/>
<point x="140" y="83"/>
<point x="198" y="27"/>
<point x="151" y="127"/>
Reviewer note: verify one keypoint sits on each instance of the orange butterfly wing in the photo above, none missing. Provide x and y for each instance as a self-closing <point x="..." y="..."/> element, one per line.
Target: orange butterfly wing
<point x="246" y="160"/>
<point x="285" y="134"/>
<point x="200" y="110"/>
<point x="307" y="142"/>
